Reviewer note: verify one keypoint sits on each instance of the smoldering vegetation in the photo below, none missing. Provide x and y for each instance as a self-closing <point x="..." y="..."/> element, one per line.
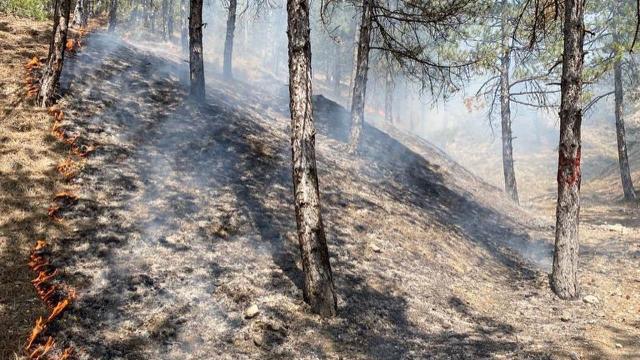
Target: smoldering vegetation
<point x="184" y="221"/>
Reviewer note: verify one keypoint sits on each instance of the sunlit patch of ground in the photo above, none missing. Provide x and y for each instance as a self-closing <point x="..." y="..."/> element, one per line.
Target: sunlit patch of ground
<point x="609" y="229"/>
<point x="28" y="156"/>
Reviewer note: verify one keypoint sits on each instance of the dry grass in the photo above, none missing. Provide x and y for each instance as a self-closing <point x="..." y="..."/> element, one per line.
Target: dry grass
<point x="28" y="156"/>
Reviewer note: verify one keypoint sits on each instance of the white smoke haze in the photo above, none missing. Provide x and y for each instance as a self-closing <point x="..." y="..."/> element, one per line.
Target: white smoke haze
<point x="186" y="213"/>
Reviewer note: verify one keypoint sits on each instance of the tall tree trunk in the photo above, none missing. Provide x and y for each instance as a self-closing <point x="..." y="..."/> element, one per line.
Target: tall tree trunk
<point x="510" y="185"/>
<point x="360" y="80"/>
<point x="388" y="95"/>
<point x="337" y="69"/>
<point x="318" y="289"/>
<point x="170" y="20"/>
<point x="165" y="18"/>
<point x="228" y="41"/>
<point x="152" y="16"/>
<point x="80" y="13"/>
<point x="50" y="81"/>
<point x="90" y="8"/>
<point x="564" y="278"/>
<point x="196" y="62"/>
<point x="184" y="26"/>
<point x="623" y="158"/>
<point x="113" y="15"/>
<point x="354" y="61"/>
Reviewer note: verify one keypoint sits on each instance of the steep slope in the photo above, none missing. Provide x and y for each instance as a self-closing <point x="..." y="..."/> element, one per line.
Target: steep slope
<point x="185" y="220"/>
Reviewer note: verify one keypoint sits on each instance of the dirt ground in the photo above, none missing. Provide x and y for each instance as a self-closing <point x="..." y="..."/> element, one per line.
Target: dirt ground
<point x="28" y="155"/>
<point x="184" y="223"/>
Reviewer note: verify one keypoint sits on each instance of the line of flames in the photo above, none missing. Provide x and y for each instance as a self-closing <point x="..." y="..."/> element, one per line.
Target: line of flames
<point x="31" y="84"/>
<point x="52" y="294"/>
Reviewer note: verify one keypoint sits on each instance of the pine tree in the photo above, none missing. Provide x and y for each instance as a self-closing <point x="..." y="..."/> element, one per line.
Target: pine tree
<point x="318" y="288"/>
<point x="564" y="278"/>
<point x="50" y="81"/>
<point x="196" y="61"/>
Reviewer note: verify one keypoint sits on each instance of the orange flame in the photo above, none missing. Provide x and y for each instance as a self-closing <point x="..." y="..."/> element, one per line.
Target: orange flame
<point x="66" y="354"/>
<point x="71" y="45"/>
<point x="41" y="350"/>
<point x="44" y="277"/>
<point x="37" y="329"/>
<point x="68" y="168"/>
<point x="33" y="63"/>
<point x="40" y="244"/>
<point x="62" y="305"/>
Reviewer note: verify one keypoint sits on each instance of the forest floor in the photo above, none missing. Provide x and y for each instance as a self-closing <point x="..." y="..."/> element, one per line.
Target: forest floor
<point x="184" y="222"/>
<point x="28" y="155"/>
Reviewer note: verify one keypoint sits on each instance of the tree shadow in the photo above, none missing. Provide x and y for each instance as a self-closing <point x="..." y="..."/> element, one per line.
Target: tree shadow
<point x="186" y="206"/>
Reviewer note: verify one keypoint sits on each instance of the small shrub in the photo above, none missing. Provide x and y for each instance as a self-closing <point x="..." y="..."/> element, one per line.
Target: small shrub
<point x="35" y="9"/>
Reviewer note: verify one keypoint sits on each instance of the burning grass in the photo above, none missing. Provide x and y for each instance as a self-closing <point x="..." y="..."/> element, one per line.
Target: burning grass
<point x="32" y="76"/>
<point x="69" y="168"/>
<point x="61" y="202"/>
<point x="27" y="163"/>
<point x="26" y="185"/>
<point x="57" y="297"/>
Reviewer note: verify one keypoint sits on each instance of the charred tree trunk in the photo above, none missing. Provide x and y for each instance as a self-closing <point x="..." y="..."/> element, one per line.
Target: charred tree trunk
<point x="318" y="289"/>
<point x="564" y="279"/>
<point x="510" y="185"/>
<point x="184" y="26"/>
<point x="360" y="80"/>
<point x="388" y="96"/>
<point x="196" y="62"/>
<point x="228" y="41"/>
<point x="50" y="81"/>
<point x="113" y="15"/>
<point x="623" y="158"/>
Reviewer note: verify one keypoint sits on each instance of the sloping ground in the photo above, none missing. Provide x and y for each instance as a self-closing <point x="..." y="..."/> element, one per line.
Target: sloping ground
<point x="28" y="155"/>
<point x="606" y="186"/>
<point x="185" y="220"/>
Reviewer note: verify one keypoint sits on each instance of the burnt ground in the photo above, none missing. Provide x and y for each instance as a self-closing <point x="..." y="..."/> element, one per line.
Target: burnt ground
<point x="185" y="220"/>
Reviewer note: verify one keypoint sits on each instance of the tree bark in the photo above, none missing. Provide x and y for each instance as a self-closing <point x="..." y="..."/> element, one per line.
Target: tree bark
<point x="50" y="81"/>
<point x="196" y="62"/>
<point x="510" y="184"/>
<point x="388" y="95"/>
<point x="354" y="61"/>
<point x="360" y="80"/>
<point x="170" y="20"/>
<point x="80" y="13"/>
<point x="564" y="278"/>
<point x="318" y="289"/>
<point x="228" y="41"/>
<point x="184" y="26"/>
<point x="165" y="18"/>
<point x="152" y="16"/>
<point x="113" y="15"/>
<point x="337" y="69"/>
<point x="623" y="158"/>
